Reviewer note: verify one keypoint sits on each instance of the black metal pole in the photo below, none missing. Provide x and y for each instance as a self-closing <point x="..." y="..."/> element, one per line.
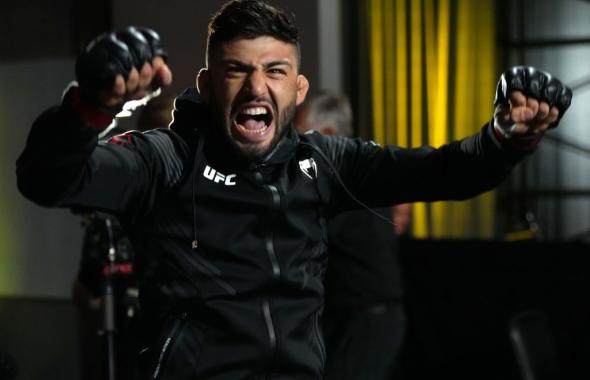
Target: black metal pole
<point x="109" y="302"/>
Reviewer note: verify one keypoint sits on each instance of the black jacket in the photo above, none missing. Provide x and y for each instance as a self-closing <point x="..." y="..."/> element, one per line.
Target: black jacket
<point x="246" y="301"/>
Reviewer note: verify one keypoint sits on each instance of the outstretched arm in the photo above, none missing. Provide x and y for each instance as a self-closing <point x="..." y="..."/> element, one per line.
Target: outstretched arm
<point x="62" y="165"/>
<point x="528" y="102"/>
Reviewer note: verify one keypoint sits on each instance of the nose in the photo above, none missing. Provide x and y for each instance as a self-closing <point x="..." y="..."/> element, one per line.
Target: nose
<point x="256" y="83"/>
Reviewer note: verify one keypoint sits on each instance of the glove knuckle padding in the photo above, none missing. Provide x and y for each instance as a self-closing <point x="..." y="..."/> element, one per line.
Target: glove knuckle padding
<point x="154" y="41"/>
<point x="104" y="58"/>
<point x="116" y="53"/>
<point x="139" y="47"/>
<point x="563" y="99"/>
<point x="535" y="84"/>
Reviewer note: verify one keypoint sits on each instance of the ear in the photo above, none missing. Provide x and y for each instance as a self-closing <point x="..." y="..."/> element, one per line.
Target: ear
<point x="203" y="81"/>
<point x="302" y="88"/>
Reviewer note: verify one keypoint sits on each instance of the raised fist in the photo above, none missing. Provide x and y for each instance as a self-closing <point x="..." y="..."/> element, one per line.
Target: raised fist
<point x="528" y="101"/>
<point x="120" y="66"/>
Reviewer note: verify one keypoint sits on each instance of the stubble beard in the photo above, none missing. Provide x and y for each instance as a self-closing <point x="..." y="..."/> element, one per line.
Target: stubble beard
<point x="252" y="152"/>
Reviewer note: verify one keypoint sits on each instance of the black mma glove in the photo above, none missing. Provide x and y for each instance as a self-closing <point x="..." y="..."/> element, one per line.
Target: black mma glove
<point x="111" y="54"/>
<point x="533" y="83"/>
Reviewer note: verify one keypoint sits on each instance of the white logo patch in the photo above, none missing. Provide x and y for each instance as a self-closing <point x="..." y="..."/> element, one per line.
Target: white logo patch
<point x="309" y="168"/>
<point x="215" y="176"/>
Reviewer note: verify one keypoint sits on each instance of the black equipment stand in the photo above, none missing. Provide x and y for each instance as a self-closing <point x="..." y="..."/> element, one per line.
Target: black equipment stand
<point x="109" y="301"/>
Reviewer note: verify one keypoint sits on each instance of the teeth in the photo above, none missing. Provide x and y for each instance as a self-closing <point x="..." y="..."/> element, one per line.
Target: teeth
<point x="254" y="111"/>
<point x="253" y="131"/>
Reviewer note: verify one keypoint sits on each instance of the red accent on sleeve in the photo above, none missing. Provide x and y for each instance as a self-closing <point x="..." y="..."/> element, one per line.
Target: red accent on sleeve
<point x="88" y="113"/>
<point x="124" y="139"/>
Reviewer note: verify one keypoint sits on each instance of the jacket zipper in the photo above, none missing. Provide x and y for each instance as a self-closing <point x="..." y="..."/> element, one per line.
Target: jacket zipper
<point x="276" y="269"/>
<point x="270" y="248"/>
<point x="166" y="348"/>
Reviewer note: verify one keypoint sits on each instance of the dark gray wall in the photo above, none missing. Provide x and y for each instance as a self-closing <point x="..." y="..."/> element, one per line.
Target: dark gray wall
<point x="554" y="184"/>
<point x="39" y="248"/>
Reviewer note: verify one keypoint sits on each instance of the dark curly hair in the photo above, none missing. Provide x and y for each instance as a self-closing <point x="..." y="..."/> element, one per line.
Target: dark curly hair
<point x="249" y="19"/>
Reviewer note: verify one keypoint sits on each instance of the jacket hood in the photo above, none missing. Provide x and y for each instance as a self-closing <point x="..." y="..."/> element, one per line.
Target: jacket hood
<point x="190" y="113"/>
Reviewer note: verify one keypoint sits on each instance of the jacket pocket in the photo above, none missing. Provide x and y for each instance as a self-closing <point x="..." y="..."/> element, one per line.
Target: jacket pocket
<point x="167" y="346"/>
<point x="177" y="352"/>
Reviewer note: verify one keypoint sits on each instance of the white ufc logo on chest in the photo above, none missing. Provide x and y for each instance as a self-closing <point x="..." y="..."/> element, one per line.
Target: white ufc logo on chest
<point x="215" y="176"/>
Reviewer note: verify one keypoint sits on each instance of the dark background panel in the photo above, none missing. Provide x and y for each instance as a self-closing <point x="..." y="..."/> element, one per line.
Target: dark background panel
<point x="462" y="295"/>
<point x="38" y="29"/>
<point x="40" y="336"/>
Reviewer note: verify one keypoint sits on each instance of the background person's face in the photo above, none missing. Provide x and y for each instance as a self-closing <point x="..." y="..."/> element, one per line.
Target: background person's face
<point x="253" y="88"/>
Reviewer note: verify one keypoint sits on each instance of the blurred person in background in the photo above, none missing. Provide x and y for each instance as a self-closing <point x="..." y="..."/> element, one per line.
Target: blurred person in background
<point x="364" y="319"/>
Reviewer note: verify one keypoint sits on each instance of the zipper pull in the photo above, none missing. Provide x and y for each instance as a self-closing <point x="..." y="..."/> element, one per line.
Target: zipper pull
<point x="195" y="244"/>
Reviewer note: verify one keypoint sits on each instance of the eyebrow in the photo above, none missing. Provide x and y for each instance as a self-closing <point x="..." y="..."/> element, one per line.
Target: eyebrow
<point x="280" y="62"/>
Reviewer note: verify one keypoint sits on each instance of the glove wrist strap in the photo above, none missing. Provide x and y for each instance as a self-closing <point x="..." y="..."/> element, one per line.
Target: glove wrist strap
<point x="88" y="113"/>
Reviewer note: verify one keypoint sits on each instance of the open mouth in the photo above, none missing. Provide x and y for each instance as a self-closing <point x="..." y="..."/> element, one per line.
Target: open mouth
<point x="253" y="123"/>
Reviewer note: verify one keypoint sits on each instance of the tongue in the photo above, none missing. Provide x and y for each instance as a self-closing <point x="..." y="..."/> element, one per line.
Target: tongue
<point x="253" y="124"/>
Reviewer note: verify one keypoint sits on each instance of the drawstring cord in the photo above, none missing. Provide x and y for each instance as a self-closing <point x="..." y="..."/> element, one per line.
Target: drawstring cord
<point x="333" y="169"/>
<point x="195" y="242"/>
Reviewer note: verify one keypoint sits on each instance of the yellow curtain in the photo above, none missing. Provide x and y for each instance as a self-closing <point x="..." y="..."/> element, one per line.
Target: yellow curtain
<point x="432" y="79"/>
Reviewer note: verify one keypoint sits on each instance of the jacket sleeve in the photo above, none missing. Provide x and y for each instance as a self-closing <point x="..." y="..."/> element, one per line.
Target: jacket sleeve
<point x="64" y="165"/>
<point x="381" y="176"/>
